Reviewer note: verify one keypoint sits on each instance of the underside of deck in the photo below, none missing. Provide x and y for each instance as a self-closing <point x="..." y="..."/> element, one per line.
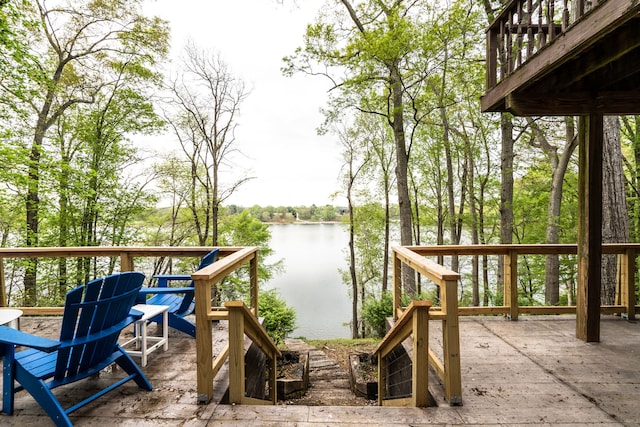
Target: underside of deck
<point x="593" y="67"/>
<point x="527" y="372"/>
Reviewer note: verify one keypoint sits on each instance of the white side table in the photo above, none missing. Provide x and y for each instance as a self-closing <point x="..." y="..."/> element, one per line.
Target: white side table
<point x="140" y="340"/>
<point x="10" y="317"/>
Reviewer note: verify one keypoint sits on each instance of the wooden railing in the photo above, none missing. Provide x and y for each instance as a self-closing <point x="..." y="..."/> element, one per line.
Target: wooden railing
<point x="207" y="366"/>
<point x="625" y="297"/>
<point x="230" y="260"/>
<point x="449" y="368"/>
<point x="523" y="28"/>
<point x="413" y="322"/>
<point x="243" y="322"/>
<point x="126" y="255"/>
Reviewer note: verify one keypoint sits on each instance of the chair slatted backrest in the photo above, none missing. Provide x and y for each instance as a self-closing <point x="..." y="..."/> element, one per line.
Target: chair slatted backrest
<point x="206" y="260"/>
<point x="92" y="321"/>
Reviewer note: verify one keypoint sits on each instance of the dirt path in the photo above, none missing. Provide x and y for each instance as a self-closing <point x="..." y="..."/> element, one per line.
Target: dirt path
<point x="328" y="381"/>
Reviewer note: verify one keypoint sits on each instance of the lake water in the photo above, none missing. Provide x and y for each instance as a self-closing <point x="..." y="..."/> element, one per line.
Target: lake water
<point x="311" y="283"/>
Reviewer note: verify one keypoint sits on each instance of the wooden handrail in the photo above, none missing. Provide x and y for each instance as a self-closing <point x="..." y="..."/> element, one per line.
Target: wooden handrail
<point x="204" y="280"/>
<point x="243" y="322"/>
<point x="414" y="257"/>
<point x="626" y="295"/>
<point x="217" y="271"/>
<point x="231" y="259"/>
<point x="449" y="369"/>
<point x="127" y="255"/>
<point x="413" y="322"/>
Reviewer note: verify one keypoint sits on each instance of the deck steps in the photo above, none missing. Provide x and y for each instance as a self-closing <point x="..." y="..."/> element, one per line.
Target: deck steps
<point x="328" y="382"/>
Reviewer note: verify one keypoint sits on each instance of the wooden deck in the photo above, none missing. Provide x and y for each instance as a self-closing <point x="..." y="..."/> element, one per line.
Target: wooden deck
<point x="530" y="372"/>
<point x="571" y="63"/>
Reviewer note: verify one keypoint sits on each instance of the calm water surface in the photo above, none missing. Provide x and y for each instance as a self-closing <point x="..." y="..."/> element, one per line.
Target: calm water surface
<point x="311" y="283"/>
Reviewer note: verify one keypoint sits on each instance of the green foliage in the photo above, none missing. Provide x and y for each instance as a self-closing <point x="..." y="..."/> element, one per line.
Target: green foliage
<point x="279" y="319"/>
<point x="244" y="230"/>
<point x="375" y="312"/>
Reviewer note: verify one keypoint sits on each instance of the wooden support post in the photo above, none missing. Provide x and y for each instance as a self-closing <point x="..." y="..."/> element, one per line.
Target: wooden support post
<point x="492" y="59"/>
<point x="382" y="378"/>
<point x="3" y="289"/>
<point x="589" y="228"/>
<point x="451" y="344"/>
<point x="236" y="356"/>
<point x="626" y="294"/>
<point x="204" y="344"/>
<point x="126" y="262"/>
<point x="253" y="278"/>
<point x="420" y="358"/>
<point x="273" y="379"/>
<point x="397" y="286"/>
<point x="511" y="284"/>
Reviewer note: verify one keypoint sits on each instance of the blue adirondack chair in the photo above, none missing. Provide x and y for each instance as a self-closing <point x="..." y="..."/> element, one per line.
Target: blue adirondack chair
<point x="180" y="300"/>
<point x="94" y="315"/>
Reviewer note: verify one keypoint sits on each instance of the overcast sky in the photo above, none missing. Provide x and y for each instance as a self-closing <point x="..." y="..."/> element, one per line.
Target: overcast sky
<point x="278" y="121"/>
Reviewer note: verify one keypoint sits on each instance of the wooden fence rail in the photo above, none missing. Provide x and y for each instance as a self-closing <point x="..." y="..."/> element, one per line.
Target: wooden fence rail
<point x="626" y="253"/>
<point x="523" y="28"/>
<point x="126" y="255"/>
<point x="230" y="260"/>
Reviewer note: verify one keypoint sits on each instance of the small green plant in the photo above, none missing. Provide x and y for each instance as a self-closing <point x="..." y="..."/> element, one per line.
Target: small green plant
<point x="375" y="313"/>
<point x="279" y="319"/>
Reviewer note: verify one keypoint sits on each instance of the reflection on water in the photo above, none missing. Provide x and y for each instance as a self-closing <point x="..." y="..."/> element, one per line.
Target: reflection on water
<point x="311" y="283"/>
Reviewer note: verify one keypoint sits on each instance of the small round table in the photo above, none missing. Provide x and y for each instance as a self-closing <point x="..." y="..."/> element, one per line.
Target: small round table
<point x="10" y="317"/>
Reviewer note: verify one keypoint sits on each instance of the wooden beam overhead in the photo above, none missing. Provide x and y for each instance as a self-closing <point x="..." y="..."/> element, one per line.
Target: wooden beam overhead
<point x="573" y="104"/>
<point x="610" y="60"/>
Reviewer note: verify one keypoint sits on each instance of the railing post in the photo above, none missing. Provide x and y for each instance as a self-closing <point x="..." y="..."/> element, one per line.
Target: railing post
<point x="382" y="378"/>
<point x="492" y="59"/>
<point x="253" y="278"/>
<point x="126" y="262"/>
<point x="627" y="288"/>
<point x="273" y="379"/>
<point x="397" y="286"/>
<point x="236" y="355"/>
<point x="204" y="344"/>
<point x="420" y="365"/>
<point x="3" y="289"/>
<point x="511" y="283"/>
<point x="451" y="344"/>
<point x="631" y="284"/>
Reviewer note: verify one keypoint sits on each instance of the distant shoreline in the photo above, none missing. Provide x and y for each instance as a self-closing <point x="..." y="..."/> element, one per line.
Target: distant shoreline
<point x="301" y="222"/>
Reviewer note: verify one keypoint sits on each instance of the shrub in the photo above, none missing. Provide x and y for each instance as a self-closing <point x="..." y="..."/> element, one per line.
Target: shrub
<point x="279" y="319"/>
<point x="375" y="313"/>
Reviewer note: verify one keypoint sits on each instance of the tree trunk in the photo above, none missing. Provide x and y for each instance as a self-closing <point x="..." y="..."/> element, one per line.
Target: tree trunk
<point x="475" y="284"/>
<point x="387" y="236"/>
<point x="632" y="132"/>
<point x="64" y="219"/>
<point x="559" y="165"/>
<point x="402" y="166"/>
<point x="33" y="204"/>
<point x="615" y="221"/>
<point x="453" y="229"/>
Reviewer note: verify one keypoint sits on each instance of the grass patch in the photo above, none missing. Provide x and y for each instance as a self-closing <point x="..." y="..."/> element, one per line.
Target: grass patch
<point x="359" y="344"/>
